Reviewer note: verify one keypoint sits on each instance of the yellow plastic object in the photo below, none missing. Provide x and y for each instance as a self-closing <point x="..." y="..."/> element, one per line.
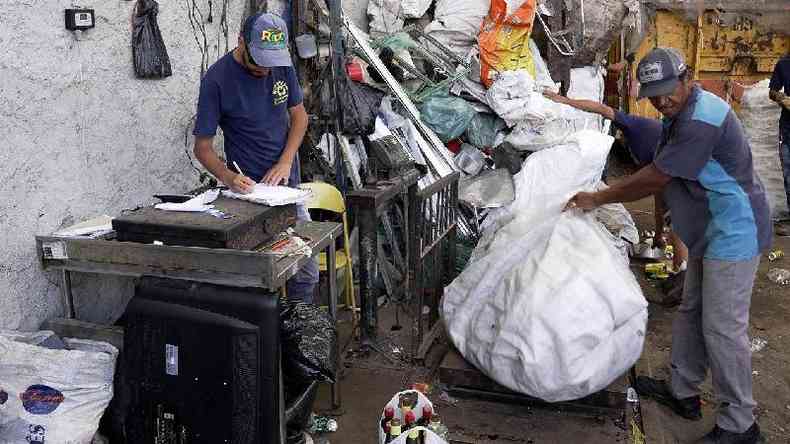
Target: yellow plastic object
<point x="326" y="197"/>
<point x="504" y="40"/>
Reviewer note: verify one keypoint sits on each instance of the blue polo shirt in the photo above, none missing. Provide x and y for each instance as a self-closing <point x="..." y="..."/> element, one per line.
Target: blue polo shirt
<point x="718" y="203"/>
<point x="252" y="112"/>
<point x="641" y="135"/>
<point x="780" y="81"/>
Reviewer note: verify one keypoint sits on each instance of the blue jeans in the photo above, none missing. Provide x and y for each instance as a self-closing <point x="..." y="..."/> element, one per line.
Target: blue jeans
<point x="301" y="287"/>
<point x="784" y="156"/>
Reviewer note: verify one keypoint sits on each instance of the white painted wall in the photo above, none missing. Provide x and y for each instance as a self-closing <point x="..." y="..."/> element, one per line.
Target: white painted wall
<point x="82" y="137"/>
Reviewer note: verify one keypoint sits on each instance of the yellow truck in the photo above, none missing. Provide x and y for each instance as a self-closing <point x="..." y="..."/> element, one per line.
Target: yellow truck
<point x="727" y="49"/>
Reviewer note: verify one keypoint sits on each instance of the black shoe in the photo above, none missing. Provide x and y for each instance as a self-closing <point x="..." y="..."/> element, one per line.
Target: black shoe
<point x="673" y="290"/>
<point x="721" y="436"/>
<point x="689" y="408"/>
<point x="782" y="229"/>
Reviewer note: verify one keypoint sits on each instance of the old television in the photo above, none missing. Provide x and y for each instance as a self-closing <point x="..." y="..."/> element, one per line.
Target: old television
<point x="200" y="365"/>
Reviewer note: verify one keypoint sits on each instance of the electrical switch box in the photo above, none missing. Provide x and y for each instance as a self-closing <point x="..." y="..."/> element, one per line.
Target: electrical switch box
<point x="80" y="19"/>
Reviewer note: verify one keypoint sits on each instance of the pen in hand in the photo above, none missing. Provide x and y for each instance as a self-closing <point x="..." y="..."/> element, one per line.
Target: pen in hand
<point x="246" y="184"/>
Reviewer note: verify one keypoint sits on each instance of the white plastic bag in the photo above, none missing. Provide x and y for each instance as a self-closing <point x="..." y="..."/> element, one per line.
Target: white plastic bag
<point x="422" y="401"/>
<point x="546" y="305"/>
<point x="533" y="135"/>
<point x="415" y="8"/>
<point x="515" y="96"/>
<point x="53" y="396"/>
<point x="456" y="23"/>
<point x="760" y="119"/>
<point x="586" y="84"/>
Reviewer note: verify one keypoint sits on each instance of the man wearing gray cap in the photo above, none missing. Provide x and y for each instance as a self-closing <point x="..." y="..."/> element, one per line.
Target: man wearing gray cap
<point x="703" y="167"/>
<point x="253" y="94"/>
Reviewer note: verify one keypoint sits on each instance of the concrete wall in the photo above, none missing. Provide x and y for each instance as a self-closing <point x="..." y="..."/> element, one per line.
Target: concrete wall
<point x="83" y="137"/>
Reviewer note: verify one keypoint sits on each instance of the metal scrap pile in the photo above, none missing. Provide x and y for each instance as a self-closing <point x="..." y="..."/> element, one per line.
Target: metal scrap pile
<point x="457" y="84"/>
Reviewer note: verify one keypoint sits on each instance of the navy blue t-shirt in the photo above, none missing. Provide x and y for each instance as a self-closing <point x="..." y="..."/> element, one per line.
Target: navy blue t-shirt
<point x="252" y="112"/>
<point x="641" y="135"/>
<point x="780" y="81"/>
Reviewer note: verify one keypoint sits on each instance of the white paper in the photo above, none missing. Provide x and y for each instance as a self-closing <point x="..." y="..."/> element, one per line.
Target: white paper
<point x="197" y="204"/>
<point x="273" y="196"/>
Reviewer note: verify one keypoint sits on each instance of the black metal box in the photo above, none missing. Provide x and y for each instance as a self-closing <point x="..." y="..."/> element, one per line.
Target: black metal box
<point x="250" y="226"/>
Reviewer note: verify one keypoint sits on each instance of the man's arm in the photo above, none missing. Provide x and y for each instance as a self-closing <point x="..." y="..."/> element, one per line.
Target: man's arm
<point x="280" y="172"/>
<point x="649" y="180"/>
<point x="584" y="105"/>
<point x="776" y="86"/>
<point x="780" y="98"/>
<point x="204" y="151"/>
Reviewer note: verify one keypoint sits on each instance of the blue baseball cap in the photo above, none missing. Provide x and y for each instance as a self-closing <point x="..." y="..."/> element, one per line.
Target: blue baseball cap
<point x="659" y="72"/>
<point x="266" y="37"/>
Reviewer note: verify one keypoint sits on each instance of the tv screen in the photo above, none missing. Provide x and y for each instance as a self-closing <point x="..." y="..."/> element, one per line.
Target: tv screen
<point x="190" y="376"/>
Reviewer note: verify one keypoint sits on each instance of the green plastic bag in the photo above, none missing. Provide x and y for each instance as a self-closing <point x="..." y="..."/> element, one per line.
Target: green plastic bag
<point x="447" y="116"/>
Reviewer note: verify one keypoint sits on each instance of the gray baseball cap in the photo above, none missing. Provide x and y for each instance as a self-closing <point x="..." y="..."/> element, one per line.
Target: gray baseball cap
<point x="659" y="72"/>
<point x="266" y="37"/>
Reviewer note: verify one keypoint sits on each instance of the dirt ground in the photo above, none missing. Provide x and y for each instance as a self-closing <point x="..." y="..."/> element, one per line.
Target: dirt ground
<point x="369" y="382"/>
<point x="770" y="314"/>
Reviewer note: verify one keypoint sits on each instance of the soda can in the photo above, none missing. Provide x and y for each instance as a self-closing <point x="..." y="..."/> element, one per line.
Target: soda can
<point x="775" y="255"/>
<point x="656" y="268"/>
<point x="669" y="252"/>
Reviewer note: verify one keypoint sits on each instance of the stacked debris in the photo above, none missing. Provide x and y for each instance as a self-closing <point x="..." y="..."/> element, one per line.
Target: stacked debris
<point x="464" y="93"/>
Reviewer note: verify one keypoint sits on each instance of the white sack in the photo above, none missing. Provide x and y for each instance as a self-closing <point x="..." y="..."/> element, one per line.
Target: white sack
<point x="515" y="96"/>
<point x="415" y="8"/>
<point x="386" y="16"/>
<point x="533" y="135"/>
<point x="586" y="84"/>
<point x="546" y="305"/>
<point x="456" y="23"/>
<point x="760" y="118"/>
<point x="53" y="396"/>
<point x="422" y="400"/>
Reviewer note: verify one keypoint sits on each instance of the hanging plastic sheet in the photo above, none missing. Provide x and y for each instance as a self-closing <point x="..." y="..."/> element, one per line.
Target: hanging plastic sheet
<point x="148" y="49"/>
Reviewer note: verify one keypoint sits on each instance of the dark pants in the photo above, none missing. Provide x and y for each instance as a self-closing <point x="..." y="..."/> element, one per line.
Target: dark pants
<point x="784" y="157"/>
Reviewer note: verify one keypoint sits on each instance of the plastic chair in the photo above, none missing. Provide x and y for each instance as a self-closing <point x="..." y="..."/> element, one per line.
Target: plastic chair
<point x="326" y="197"/>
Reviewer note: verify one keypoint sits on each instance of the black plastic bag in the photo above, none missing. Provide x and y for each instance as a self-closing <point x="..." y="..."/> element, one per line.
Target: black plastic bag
<point x="360" y="104"/>
<point x="309" y="343"/>
<point x="148" y="49"/>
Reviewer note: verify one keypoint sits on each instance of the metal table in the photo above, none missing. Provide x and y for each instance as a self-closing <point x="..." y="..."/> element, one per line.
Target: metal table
<point x="368" y="204"/>
<point x="238" y="268"/>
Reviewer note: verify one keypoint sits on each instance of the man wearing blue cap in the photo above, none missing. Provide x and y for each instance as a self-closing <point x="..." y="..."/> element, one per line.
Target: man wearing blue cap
<point x="253" y="94"/>
<point x="703" y="167"/>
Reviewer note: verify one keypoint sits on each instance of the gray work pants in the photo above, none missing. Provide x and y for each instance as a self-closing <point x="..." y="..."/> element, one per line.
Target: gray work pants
<point x="711" y="330"/>
<point x="301" y="287"/>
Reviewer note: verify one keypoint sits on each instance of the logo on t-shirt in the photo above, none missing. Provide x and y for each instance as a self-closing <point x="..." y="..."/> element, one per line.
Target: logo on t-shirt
<point x="279" y="92"/>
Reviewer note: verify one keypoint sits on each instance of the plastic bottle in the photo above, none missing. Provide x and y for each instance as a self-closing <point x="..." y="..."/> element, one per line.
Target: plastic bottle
<point x="440" y="429"/>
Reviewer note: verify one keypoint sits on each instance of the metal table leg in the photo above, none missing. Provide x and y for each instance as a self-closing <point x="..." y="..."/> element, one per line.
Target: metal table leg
<point x="68" y="297"/>
<point x="332" y="278"/>
<point x="367" y="287"/>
